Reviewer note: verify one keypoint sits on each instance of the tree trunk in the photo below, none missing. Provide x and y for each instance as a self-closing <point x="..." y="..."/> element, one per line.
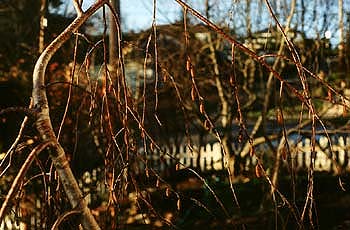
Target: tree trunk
<point x="226" y="116"/>
<point x="44" y="126"/>
<point x="268" y="93"/>
<point x="341" y="45"/>
<point x="42" y="26"/>
<point x="113" y="35"/>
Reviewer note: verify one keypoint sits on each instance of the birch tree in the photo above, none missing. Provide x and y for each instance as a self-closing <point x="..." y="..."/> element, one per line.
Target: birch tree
<point x="40" y="112"/>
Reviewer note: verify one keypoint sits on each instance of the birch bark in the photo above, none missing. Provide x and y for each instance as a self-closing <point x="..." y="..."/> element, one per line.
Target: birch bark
<point x="43" y="122"/>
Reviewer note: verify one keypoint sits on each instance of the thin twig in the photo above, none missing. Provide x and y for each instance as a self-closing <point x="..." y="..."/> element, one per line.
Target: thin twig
<point x="19" y="178"/>
<point x="15" y="143"/>
<point x="31" y="113"/>
<point x="61" y="218"/>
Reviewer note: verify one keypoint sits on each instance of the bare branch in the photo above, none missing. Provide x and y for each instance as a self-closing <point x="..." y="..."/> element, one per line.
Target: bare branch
<point x="63" y="217"/>
<point x="15" y="143"/>
<point x="14" y="187"/>
<point x="31" y="113"/>
<point x="77" y="7"/>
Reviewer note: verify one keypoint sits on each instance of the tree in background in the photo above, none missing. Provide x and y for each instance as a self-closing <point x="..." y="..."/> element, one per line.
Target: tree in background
<point x="196" y="78"/>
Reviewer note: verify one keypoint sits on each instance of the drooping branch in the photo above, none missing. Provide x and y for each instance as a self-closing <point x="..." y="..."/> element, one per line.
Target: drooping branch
<point x="268" y="94"/>
<point x="30" y="114"/>
<point x="15" y="185"/>
<point x="248" y="52"/>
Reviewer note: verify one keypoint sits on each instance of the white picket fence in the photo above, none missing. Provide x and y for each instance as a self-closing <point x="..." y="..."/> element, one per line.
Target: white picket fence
<point x="329" y="157"/>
